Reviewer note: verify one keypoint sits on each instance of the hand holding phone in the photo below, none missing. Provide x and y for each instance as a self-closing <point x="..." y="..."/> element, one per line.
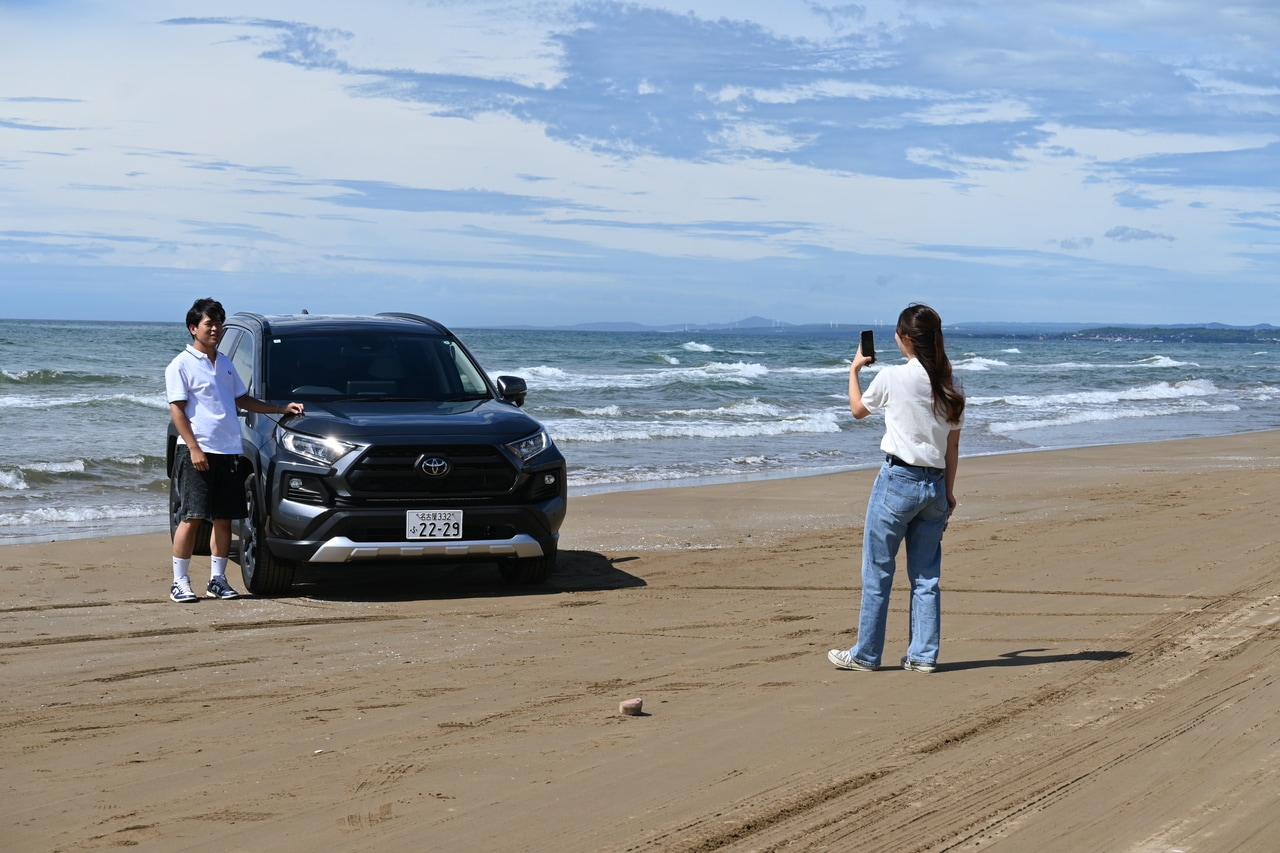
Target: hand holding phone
<point x="867" y="345"/>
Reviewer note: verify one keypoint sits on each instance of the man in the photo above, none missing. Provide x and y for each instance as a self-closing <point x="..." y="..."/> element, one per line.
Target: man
<point x="204" y="392"/>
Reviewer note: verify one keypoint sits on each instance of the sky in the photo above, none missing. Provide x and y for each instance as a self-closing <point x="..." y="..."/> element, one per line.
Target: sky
<point x="501" y="162"/>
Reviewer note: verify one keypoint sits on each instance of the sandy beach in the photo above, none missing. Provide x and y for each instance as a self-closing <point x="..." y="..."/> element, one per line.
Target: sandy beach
<point x="1108" y="680"/>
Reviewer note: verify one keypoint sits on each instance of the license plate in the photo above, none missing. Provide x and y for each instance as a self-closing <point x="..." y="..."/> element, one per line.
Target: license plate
<point x="433" y="524"/>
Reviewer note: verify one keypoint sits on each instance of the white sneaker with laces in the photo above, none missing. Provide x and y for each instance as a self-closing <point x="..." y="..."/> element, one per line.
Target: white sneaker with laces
<point x="181" y="592"/>
<point x="219" y="588"/>
<point x="843" y="660"/>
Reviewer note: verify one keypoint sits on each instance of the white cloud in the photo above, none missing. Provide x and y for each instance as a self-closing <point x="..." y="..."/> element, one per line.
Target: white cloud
<point x="613" y="146"/>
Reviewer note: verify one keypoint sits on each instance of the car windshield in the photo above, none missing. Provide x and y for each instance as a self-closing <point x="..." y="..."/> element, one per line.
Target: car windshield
<point x="370" y="366"/>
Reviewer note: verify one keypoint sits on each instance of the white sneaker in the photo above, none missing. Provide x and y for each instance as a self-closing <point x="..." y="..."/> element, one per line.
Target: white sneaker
<point x="181" y="592"/>
<point x="219" y="588"/>
<point x="843" y="660"/>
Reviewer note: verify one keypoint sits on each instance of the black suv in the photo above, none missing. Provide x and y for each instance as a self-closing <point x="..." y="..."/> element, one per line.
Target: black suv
<point x="407" y="451"/>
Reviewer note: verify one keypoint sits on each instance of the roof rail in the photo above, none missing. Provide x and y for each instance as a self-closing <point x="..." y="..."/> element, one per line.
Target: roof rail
<point x="417" y="318"/>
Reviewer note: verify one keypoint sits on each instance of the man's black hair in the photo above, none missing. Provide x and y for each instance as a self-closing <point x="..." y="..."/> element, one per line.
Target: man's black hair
<point x="207" y="307"/>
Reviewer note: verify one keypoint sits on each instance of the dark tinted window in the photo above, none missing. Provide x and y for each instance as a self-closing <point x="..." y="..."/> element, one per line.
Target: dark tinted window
<point x="340" y="365"/>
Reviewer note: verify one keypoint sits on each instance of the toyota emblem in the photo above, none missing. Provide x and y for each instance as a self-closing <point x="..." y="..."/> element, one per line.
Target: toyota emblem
<point x="434" y="466"/>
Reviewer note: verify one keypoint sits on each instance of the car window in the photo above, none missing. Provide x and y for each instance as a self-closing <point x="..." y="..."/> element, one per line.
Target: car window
<point x="243" y="357"/>
<point x="229" y="340"/>
<point x="342" y="365"/>
<point x="468" y="373"/>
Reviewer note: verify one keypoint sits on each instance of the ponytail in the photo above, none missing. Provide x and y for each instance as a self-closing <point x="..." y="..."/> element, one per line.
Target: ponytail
<point x="923" y="327"/>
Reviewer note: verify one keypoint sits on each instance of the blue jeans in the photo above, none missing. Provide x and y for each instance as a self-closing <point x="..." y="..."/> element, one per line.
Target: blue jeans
<point x="908" y="505"/>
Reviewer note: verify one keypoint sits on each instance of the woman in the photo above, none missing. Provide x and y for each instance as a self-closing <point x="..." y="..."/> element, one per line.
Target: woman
<point x="914" y="494"/>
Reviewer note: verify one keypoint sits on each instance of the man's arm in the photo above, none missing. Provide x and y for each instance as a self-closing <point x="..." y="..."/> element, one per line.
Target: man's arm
<point x="253" y="404"/>
<point x="178" y="412"/>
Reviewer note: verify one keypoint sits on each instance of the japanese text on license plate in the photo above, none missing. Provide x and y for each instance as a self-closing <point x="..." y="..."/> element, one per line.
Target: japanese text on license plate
<point x="433" y="524"/>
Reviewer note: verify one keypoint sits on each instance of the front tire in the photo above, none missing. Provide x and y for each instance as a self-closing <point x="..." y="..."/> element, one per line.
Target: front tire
<point x="263" y="572"/>
<point x="528" y="571"/>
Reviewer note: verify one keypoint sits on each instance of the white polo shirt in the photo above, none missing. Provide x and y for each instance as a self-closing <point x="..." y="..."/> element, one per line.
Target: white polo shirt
<point x="209" y="390"/>
<point x="913" y="432"/>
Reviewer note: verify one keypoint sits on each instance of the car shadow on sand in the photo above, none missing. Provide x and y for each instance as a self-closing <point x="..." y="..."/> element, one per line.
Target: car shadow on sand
<point x="1032" y="657"/>
<point x="576" y="571"/>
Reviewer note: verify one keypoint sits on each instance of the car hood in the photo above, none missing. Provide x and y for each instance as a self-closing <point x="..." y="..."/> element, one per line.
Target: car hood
<point x="354" y="420"/>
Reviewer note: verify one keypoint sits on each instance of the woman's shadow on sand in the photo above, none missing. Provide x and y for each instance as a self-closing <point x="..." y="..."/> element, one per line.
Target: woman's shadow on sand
<point x="576" y="571"/>
<point x="1032" y="657"/>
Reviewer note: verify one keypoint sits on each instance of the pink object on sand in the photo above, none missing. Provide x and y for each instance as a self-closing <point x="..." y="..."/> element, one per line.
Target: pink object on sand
<point x="631" y="707"/>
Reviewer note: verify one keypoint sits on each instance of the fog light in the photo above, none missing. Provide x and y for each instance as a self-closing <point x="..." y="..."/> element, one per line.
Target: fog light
<point x="548" y="479"/>
<point x="295" y="483"/>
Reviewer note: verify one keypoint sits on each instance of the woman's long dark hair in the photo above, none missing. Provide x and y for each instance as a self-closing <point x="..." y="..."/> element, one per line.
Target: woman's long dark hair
<point x="921" y="325"/>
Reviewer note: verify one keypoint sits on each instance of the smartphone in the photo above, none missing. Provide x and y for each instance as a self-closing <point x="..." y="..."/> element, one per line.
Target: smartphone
<point x="868" y="344"/>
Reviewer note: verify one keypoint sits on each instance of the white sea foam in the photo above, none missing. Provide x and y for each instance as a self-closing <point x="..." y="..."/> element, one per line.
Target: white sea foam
<point x="826" y="370"/>
<point x="694" y="346"/>
<point x="637" y="430"/>
<point x="978" y="363"/>
<point x="1085" y="416"/>
<point x="1155" y="361"/>
<point x="1156" y="391"/>
<point x="150" y="401"/>
<point x="75" y="466"/>
<point x="557" y="379"/>
<point x="1164" y="361"/>
<point x="742" y="409"/>
<point x="1012" y="351"/>
<point x="55" y="515"/>
<point x="13" y="481"/>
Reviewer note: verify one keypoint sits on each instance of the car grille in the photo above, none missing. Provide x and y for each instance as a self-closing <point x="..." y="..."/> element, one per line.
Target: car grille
<point x="391" y="471"/>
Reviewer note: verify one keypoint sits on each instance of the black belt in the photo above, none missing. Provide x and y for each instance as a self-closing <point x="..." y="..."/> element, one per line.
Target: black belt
<point x="893" y="460"/>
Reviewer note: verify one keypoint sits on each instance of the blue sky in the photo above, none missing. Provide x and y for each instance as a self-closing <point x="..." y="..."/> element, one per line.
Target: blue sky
<point x="493" y="163"/>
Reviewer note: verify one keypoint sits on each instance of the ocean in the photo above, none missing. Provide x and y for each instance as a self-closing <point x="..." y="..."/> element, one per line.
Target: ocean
<point x="83" y="411"/>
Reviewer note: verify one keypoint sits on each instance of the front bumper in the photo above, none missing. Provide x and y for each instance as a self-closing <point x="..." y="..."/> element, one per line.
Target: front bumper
<point x="340" y="549"/>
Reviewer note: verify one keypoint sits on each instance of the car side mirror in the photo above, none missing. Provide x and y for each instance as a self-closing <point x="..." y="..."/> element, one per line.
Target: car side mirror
<point x="512" y="389"/>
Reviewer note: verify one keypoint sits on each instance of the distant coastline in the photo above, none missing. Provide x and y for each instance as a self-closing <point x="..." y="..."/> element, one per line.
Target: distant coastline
<point x="1262" y="333"/>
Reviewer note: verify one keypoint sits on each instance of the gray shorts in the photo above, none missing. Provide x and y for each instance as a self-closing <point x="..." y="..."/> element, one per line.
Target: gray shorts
<point x="216" y="493"/>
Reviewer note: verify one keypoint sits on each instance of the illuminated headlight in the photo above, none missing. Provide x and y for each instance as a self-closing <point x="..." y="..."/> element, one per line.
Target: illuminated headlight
<point x="326" y="451"/>
<point x="527" y="448"/>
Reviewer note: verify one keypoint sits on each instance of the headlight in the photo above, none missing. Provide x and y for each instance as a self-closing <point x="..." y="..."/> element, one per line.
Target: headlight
<point x="326" y="451"/>
<point x="527" y="448"/>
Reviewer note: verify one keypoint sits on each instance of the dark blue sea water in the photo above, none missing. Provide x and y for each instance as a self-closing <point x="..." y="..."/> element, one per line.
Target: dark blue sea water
<point x="83" y="413"/>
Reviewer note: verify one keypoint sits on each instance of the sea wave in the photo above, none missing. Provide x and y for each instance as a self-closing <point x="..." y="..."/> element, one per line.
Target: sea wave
<point x="545" y="377"/>
<point x="149" y="401"/>
<point x="568" y="431"/>
<point x="1103" y="415"/>
<point x="1155" y="361"/>
<point x="79" y="515"/>
<point x="978" y="363"/>
<point x="1154" y="391"/>
<point x="694" y="346"/>
<point x="43" y="473"/>
<point x="43" y="376"/>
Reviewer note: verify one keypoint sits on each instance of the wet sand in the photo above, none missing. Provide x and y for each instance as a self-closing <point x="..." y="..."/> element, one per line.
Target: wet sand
<point x="1108" y="680"/>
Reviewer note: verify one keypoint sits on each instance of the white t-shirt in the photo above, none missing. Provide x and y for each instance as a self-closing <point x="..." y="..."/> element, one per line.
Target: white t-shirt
<point x="209" y="390"/>
<point x="913" y="432"/>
